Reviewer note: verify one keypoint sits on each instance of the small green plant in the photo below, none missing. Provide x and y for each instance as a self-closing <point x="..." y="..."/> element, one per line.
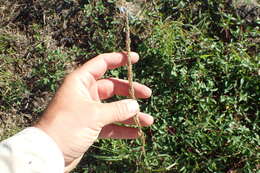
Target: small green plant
<point x="50" y="70"/>
<point x="12" y="86"/>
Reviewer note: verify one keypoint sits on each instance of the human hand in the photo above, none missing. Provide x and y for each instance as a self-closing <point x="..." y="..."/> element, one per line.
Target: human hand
<point x="75" y="117"/>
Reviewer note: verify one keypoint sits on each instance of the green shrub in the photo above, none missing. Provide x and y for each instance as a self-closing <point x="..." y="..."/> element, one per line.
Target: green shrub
<point x="205" y="100"/>
<point x="205" y="94"/>
<point x="201" y="59"/>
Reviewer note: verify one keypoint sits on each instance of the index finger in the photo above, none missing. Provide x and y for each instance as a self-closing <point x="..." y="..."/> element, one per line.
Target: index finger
<point x="101" y="63"/>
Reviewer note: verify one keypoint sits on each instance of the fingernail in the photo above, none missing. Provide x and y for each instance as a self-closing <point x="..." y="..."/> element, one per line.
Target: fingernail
<point x="133" y="106"/>
<point x="150" y="119"/>
<point x="134" y="54"/>
<point x="149" y="91"/>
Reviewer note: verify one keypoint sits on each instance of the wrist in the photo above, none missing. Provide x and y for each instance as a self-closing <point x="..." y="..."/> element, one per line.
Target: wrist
<point x="54" y="132"/>
<point x="72" y="140"/>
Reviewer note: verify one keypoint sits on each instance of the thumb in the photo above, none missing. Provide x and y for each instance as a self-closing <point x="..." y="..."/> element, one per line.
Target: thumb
<point x="118" y="111"/>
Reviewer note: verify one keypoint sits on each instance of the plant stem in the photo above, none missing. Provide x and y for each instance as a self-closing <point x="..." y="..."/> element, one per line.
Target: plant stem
<point x="130" y="79"/>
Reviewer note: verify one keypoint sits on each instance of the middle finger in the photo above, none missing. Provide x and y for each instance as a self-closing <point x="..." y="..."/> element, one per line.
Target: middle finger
<point x="112" y="86"/>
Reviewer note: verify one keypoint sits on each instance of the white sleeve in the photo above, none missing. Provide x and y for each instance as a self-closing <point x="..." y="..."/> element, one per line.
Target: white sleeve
<point x="30" y="151"/>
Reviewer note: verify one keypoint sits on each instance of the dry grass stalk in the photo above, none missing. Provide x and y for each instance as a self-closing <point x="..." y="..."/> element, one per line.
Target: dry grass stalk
<point x="130" y="79"/>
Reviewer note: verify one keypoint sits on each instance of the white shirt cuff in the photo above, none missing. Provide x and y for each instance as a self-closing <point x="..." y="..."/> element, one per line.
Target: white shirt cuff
<point x="31" y="150"/>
